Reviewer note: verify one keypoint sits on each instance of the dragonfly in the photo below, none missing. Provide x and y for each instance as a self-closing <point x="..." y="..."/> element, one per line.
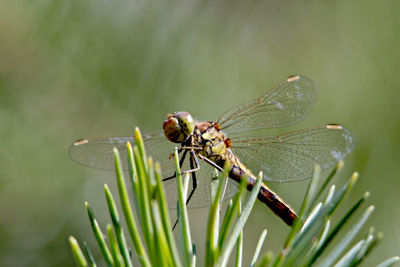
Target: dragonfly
<point x="238" y="137"/>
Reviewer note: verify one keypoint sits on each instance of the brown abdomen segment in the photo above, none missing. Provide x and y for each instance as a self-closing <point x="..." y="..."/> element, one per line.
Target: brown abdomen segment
<point x="267" y="196"/>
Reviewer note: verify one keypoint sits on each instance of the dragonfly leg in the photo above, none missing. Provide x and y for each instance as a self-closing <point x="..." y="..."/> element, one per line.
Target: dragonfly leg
<point x="211" y="163"/>
<point x="180" y="165"/>
<point x="193" y="162"/>
<point x="194" y="166"/>
<point x="190" y="148"/>
<point x="193" y="157"/>
<point x="195" y="169"/>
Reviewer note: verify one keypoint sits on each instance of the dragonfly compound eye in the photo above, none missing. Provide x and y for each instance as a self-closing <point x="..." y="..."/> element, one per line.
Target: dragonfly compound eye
<point x="178" y="127"/>
<point x="172" y="129"/>
<point x="186" y="122"/>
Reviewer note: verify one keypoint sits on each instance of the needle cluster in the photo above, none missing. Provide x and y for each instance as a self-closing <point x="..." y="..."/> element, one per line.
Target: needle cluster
<point x="150" y="239"/>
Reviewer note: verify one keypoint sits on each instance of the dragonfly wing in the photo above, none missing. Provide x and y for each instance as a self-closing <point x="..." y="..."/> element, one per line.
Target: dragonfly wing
<point x="97" y="152"/>
<point x="286" y="104"/>
<point x="202" y="195"/>
<point x="292" y="156"/>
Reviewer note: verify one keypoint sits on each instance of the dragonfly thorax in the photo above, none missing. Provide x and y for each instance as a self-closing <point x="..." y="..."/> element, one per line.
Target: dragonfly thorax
<point x="211" y="141"/>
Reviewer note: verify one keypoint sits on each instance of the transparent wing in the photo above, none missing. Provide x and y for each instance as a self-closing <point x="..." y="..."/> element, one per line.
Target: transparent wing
<point x="288" y="103"/>
<point x="292" y="156"/>
<point x="97" y="153"/>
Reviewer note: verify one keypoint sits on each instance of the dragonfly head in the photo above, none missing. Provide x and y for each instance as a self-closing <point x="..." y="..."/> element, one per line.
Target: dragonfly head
<point x="178" y="126"/>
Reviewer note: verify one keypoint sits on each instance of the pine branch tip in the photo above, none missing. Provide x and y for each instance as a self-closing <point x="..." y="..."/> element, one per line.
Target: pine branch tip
<point x="72" y="240"/>
<point x="317" y="168"/>
<point x="340" y="165"/>
<point x="128" y="146"/>
<point x="355" y="176"/>
<point x="371" y="208"/>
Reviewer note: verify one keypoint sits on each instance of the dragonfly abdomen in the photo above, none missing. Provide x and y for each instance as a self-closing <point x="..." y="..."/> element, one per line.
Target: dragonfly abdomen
<point x="276" y="204"/>
<point x="266" y="195"/>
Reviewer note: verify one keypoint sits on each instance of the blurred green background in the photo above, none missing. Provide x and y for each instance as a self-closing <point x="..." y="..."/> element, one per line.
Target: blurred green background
<point x="71" y="69"/>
